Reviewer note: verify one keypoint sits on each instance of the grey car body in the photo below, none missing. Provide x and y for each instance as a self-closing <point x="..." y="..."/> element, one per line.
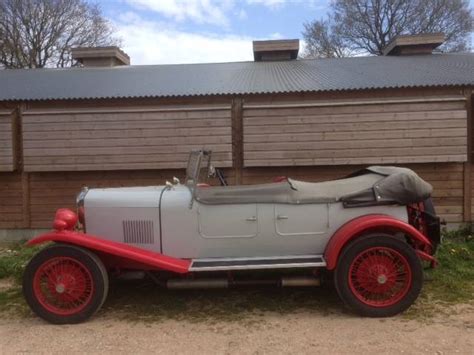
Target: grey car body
<point x="278" y="219"/>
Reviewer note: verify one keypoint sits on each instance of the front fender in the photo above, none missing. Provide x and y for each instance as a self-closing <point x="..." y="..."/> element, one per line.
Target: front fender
<point x="121" y="250"/>
<point x="361" y="225"/>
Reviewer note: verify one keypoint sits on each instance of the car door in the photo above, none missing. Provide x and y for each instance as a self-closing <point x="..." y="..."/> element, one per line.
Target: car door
<point x="292" y="220"/>
<point x="228" y="221"/>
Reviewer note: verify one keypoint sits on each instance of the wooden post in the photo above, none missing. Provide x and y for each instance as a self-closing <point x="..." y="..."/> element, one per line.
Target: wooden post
<point x="16" y="139"/>
<point x="467" y="188"/>
<point x="237" y="139"/>
<point x="18" y="163"/>
<point x="25" y="187"/>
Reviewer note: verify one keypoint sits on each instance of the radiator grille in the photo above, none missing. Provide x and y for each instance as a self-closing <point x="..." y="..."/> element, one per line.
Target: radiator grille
<point x="138" y="232"/>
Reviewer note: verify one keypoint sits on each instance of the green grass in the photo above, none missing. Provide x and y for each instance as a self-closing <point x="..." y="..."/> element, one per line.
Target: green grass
<point x="13" y="260"/>
<point x="452" y="282"/>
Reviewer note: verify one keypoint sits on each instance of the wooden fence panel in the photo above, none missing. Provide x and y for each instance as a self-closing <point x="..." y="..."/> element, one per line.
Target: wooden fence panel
<point x="388" y="131"/>
<point x="11" y="200"/>
<point x="6" y="141"/>
<point x="123" y="139"/>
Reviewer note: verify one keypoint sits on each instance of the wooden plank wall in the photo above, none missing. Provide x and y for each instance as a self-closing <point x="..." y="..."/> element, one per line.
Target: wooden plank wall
<point x="11" y="196"/>
<point x="385" y="130"/>
<point x="109" y="138"/>
<point x="6" y="140"/>
<point x="446" y="178"/>
<point x="51" y="190"/>
<point x="55" y="141"/>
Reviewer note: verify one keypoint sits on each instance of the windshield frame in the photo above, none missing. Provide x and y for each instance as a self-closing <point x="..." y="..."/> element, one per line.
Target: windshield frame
<point x="199" y="163"/>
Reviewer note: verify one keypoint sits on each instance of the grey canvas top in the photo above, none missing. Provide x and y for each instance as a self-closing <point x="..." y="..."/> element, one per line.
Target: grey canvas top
<point x="373" y="185"/>
<point x="238" y="78"/>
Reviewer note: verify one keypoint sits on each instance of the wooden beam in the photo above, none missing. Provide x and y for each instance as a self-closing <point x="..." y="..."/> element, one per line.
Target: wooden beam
<point x="108" y="110"/>
<point x="26" y="206"/>
<point x="19" y="164"/>
<point x="467" y="193"/>
<point x="467" y="186"/>
<point x="354" y="102"/>
<point x="237" y="138"/>
<point x="17" y="139"/>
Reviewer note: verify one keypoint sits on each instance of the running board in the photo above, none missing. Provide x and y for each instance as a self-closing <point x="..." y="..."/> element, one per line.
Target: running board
<point x="269" y="262"/>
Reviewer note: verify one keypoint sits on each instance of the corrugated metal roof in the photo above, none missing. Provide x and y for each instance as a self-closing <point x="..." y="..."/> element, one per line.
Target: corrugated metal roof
<point x="238" y="78"/>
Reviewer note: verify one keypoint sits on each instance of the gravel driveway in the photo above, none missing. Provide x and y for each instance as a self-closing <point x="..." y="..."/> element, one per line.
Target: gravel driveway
<point x="268" y="333"/>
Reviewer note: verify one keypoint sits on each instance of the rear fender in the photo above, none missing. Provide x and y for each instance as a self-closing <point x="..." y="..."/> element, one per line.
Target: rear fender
<point x="129" y="254"/>
<point x="373" y="223"/>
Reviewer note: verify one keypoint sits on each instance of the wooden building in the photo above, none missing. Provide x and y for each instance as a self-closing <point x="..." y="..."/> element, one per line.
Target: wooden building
<point x="111" y="124"/>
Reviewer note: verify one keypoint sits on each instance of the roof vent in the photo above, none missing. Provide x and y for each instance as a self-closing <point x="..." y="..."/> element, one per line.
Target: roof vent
<point x="283" y="49"/>
<point x="100" y="56"/>
<point x="414" y="44"/>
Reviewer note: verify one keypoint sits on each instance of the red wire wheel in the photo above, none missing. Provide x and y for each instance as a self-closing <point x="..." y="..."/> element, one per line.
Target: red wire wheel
<point x="378" y="275"/>
<point x="65" y="284"/>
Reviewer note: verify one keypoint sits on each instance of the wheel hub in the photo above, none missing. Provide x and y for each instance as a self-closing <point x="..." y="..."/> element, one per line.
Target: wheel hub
<point x="60" y="288"/>
<point x="382" y="279"/>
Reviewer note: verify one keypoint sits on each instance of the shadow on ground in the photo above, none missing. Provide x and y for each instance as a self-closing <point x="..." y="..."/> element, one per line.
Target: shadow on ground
<point x="143" y="300"/>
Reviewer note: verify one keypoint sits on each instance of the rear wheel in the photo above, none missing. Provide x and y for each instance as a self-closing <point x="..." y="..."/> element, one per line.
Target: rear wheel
<point x="65" y="284"/>
<point x="378" y="276"/>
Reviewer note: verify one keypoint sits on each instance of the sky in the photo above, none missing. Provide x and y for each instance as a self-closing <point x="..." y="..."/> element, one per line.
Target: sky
<point x="197" y="31"/>
<point x="206" y="31"/>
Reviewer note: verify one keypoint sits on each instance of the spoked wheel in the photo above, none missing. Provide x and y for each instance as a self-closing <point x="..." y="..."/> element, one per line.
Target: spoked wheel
<point x="65" y="284"/>
<point x="379" y="276"/>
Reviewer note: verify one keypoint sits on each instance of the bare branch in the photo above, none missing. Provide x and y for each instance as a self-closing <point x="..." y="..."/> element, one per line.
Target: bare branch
<point x="367" y="26"/>
<point x="41" y="33"/>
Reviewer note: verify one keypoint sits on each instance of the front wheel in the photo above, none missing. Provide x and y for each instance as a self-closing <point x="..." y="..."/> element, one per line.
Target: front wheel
<point x="378" y="276"/>
<point x="65" y="284"/>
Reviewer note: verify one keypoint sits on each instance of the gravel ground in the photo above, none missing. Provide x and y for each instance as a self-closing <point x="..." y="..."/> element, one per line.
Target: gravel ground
<point x="268" y="333"/>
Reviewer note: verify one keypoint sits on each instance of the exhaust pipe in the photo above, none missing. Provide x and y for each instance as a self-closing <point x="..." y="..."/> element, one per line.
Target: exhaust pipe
<point x="183" y="284"/>
<point x="301" y="281"/>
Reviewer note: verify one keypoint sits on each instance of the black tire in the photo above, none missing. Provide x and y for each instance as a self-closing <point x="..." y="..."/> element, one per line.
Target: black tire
<point x="372" y="296"/>
<point x="50" y="299"/>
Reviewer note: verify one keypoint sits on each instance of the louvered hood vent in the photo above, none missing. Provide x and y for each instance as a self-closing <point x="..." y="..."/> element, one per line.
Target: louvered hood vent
<point x="138" y="232"/>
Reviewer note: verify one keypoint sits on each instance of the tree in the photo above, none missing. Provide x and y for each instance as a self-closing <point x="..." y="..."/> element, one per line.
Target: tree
<point x="41" y="33"/>
<point x="367" y="26"/>
<point x="322" y="41"/>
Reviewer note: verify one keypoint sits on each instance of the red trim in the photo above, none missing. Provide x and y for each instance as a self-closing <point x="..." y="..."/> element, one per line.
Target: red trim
<point x="366" y="223"/>
<point x="63" y="286"/>
<point x="427" y="257"/>
<point x="380" y="277"/>
<point x="142" y="256"/>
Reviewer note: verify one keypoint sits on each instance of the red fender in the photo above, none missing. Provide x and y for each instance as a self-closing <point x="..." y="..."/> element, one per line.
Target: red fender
<point x="363" y="224"/>
<point x="142" y="256"/>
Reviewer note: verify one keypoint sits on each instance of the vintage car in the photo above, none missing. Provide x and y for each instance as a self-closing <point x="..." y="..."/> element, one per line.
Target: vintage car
<point x="371" y="230"/>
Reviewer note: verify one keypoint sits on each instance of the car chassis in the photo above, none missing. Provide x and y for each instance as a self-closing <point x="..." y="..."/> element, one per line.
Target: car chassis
<point x="371" y="230"/>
